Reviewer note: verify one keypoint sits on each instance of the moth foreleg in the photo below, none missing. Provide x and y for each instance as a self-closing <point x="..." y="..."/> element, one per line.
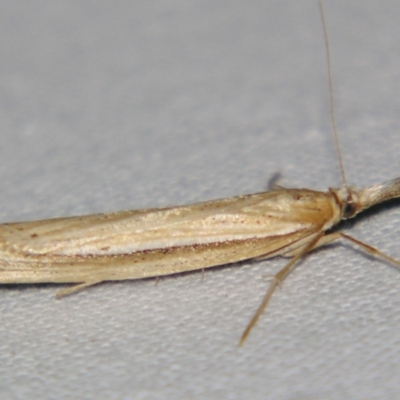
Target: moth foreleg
<point x="374" y="252"/>
<point x="370" y="249"/>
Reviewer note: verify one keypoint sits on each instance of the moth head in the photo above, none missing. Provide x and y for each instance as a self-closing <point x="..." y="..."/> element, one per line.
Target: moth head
<point x="348" y="200"/>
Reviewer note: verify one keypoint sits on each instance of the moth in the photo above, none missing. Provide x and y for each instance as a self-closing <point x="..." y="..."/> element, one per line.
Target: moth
<point x="87" y="250"/>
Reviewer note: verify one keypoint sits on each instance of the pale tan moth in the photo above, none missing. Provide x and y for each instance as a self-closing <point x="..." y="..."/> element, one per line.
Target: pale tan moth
<point x="90" y="249"/>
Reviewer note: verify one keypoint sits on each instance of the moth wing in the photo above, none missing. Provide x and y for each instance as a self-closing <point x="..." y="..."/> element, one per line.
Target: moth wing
<point x="243" y="218"/>
<point x="18" y="268"/>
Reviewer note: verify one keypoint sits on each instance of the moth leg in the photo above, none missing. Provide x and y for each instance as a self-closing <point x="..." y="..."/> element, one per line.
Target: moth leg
<point x="364" y="246"/>
<point x="297" y="254"/>
<point x="276" y="281"/>
<point x="273" y="182"/>
<point x="326" y="239"/>
<point x="370" y="249"/>
<point x="76" y="288"/>
<point x="322" y="241"/>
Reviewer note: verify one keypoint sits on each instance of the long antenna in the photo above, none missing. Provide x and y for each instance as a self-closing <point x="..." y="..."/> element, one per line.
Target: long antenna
<point x="331" y="102"/>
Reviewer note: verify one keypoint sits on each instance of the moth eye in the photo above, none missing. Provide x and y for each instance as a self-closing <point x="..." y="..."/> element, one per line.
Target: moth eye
<point x="349" y="210"/>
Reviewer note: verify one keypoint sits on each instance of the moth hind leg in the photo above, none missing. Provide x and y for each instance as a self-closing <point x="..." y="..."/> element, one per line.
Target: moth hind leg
<point x="76" y="288"/>
<point x="273" y="182"/>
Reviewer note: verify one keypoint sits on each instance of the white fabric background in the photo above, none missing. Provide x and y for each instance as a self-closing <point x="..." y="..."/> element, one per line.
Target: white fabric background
<point x="120" y="105"/>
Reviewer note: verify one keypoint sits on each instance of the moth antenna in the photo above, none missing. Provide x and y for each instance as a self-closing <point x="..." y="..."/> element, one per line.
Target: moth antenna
<point x="331" y="102"/>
